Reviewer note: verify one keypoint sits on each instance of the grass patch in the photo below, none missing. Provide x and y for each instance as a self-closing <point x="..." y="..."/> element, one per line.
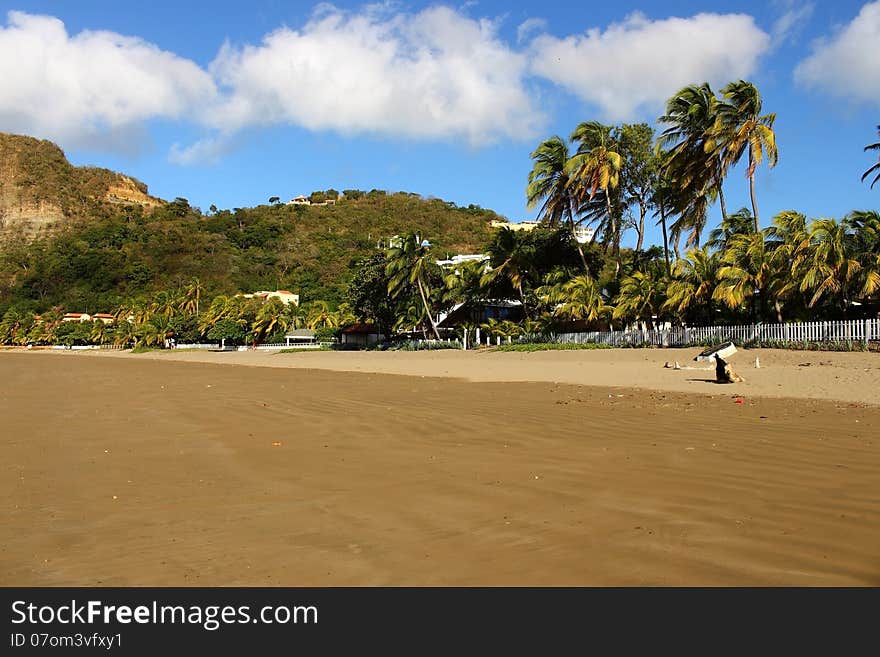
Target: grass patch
<point x="300" y="350"/>
<point x="144" y="350"/>
<point x="551" y="346"/>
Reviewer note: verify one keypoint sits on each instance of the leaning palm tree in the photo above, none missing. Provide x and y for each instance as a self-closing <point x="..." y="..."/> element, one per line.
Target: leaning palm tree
<point x="411" y="263"/>
<point x="124" y="334"/>
<point x="740" y="128"/>
<point x="98" y="334"/>
<point x="549" y="184"/>
<point x="690" y="159"/>
<point x="876" y="167"/>
<point x="222" y="307"/>
<point x="270" y="318"/>
<point x="596" y="166"/>
<point x="691" y="204"/>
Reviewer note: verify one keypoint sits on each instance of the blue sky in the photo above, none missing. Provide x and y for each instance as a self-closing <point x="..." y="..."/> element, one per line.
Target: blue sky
<point x="229" y="103"/>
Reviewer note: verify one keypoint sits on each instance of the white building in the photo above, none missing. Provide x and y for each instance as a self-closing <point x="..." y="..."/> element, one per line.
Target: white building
<point x="584" y="234"/>
<point x="287" y="297"/>
<point x="456" y="260"/>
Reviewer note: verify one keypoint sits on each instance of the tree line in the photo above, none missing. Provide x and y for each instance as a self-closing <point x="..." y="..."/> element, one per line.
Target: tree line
<point x="616" y="179"/>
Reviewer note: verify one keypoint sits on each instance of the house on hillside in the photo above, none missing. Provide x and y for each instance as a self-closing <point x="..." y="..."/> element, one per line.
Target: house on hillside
<point x="107" y="318"/>
<point x="286" y="296"/>
<point x="456" y="260"/>
<point x="523" y="225"/>
<point x="76" y="317"/>
<point x="299" y="200"/>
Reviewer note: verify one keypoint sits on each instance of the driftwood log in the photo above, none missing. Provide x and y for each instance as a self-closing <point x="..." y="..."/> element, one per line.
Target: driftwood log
<point x="724" y="372"/>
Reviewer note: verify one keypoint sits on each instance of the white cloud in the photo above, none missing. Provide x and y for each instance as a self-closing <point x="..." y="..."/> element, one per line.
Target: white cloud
<point x="847" y="65"/>
<point x="529" y="27"/>
<point x="205" y="151"/>
<point x="634" y="66"/>
<point x="91" y="89"/>
<point x="793" y="19"/>
<point x="434" y="74"/>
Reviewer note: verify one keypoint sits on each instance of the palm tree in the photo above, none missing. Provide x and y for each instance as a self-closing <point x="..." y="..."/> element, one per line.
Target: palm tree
<point x="690" y="159"/>
<point x="502" y="329"/>
<point x="294" y="315"/>
<point x="740" y="222"/>
<point x="463" y="283"/>
<point x="660" y="199"/>
<point x="510" y="260"/>
<point x="865" y="227"/>
<point x="124" y="334"/>
<point x="221" y="307"/>
<point x="876" y="167"/>
<point x="12" y="323"/>
<point x="154" y="331"/>
<point x="746" y="272"/>
<point x="692" y="207"/>
<point x="579" y="298"/>
<point x="270" y="318"/>
<point x="550" y="183"/>
<point x="834" y="270"/>
<point x="411" y="264"/>
<point x="164" y="303"/>
<point x="694" y="280"/>
<point x="641" y="297"/>
<point x="98" y="333"/>
<point x="192" y="294"/>
<point x="319" y="315"/>
<point x="595" y="166"/>
<point x="740" y="127"/>
<point x="791" y="248"/>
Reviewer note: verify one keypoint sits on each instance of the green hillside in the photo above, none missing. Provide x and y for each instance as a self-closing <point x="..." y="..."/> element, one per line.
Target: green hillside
<point x="124" y="251"/>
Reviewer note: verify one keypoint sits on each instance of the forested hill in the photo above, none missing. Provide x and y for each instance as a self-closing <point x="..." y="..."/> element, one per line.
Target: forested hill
<point x="97" y="249"/>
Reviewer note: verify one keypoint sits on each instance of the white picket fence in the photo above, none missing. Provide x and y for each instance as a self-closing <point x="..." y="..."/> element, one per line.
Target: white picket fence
<point x="854" y="330"/>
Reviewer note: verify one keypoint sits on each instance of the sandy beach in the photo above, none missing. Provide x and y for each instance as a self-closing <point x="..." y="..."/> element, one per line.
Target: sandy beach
<point x="438" y="468"/>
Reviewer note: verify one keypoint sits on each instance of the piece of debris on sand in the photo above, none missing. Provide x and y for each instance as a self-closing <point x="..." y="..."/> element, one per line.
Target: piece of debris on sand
<point x="724" y="372"/>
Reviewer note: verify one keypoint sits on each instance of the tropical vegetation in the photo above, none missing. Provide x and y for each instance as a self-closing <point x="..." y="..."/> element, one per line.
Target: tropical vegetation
<point x="376" y="258"/>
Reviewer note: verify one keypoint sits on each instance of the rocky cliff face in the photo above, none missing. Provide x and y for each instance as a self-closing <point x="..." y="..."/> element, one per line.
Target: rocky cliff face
<point x="40" y="191"/>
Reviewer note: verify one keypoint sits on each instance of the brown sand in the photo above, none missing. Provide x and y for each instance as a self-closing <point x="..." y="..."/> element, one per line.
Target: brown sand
<point x="849" y="377"/>
<point x="128" y="471"/>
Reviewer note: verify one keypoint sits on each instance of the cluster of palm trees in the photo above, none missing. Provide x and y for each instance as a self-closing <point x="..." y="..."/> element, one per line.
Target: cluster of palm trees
<point x="794" y="269"/>
<point x="179" y="314"/>
<point x="608" y="172"/>
<point x="612" y="177"/>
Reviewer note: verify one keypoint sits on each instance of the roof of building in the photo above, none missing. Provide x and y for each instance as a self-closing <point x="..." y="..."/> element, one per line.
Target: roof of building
<point x="300" y="333"/>
<point x="361" y="328"/>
